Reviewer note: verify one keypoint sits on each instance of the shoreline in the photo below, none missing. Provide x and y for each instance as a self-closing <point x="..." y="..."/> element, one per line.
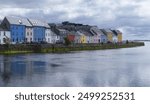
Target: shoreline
<point x="60" y="48"/>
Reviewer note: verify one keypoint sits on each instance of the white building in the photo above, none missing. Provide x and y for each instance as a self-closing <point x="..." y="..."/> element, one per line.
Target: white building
<point x="55" y="37"/>
<point x="29" y="34"/>
<point x="4" y="36"/>
<point x="48" y="35"/>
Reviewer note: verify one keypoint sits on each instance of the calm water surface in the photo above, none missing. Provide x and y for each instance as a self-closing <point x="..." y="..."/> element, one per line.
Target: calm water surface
<point x="117" y="67"/>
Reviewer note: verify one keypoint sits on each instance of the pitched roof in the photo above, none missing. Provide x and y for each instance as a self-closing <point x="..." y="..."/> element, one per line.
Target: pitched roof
<point x="18" y="20"/>
<point x="108" y="30"/>
<point x="1" y="29"/>
<point x="38" y="23"/>
<point x="96" y="31"/>
<point x="87" y="33"/>
<point x="118" y="31"/>
<point x="105" y="31"/>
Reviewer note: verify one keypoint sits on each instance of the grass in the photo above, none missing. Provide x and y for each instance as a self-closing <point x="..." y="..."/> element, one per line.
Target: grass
<point x="63" y="49"/>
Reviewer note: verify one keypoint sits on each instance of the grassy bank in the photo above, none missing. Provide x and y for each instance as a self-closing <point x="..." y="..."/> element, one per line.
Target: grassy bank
<point x="59" y="48"/>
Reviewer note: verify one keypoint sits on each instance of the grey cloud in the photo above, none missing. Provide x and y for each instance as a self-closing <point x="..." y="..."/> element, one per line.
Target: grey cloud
<point x="122" y="14"/>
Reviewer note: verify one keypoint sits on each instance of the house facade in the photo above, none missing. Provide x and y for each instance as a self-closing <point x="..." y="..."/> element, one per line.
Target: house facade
<point x="118" y="35"/>
<point x="4" y="36"/>
<point x="48" y="36"/>
<point x="55" y="37"/>
<point x="109" y="34"/>
<point x="29" y="34"/>
<point x="38" y="30"/>
<point x="62" y="34"/>
<point x="99" y="36"/>
<point x="103" y="37"/>
<point x="83" y="38"/>
<point x="17" y="27"/>
<point x="77" y="37"/>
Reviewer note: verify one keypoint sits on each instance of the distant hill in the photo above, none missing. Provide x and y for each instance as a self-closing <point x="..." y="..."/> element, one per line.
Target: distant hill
<point x="142" y="40"/>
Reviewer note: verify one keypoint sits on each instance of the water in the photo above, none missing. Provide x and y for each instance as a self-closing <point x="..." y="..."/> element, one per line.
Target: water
<point x="128" y="67"/>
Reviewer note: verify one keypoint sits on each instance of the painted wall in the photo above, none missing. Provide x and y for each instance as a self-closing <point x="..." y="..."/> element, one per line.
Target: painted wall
<point x="29" y="34"/>
<point x="55" y="37"/>
<point x="38" y="34"/>
<point x="103" y="38"/>
<point x="83" y="39"/>
<point x="48" y="35"/>
<point x="119" y="38"/>
<point x="71" y="38"/>
<point x="3" y="36"/>
<point x="77" y="38"/>
<point x="115" y="39"/>
<point x="110" y="37"/>
<point x="17" y="33"/>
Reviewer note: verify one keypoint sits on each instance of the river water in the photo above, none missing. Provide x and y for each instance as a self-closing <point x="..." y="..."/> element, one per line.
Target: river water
<point x="128" y="67"/>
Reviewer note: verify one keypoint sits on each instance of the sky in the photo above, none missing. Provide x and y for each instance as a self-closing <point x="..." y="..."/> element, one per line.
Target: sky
<point x="132" y="17"/>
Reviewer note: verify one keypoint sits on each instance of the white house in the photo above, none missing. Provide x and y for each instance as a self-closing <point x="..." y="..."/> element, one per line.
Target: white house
<point x="4" y="36"/>
<point x="55" y="37"/>
<point x="48" y="35"/>
<point x="29" y="34"/>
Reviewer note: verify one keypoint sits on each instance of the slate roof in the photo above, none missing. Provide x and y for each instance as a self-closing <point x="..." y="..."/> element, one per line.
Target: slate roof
<point x="18" y="20"/>
<point x="97" y="31"/>
<point x="38" y="23"/>
<point x="108" y="30"/>
<point x="118" y="32"/>
<point x="105" y="31"/>
<point x="1" y="29"/>
<point x="87" y="33"/>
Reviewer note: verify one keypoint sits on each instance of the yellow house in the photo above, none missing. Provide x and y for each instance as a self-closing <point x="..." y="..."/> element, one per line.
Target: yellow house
<point x="109" y="34"/>
<point x="83" y="39"/>
<point x="118" y="34"/>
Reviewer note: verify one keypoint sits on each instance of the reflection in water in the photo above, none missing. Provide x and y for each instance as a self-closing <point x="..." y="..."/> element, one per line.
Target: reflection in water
<point x="120" y="67"/>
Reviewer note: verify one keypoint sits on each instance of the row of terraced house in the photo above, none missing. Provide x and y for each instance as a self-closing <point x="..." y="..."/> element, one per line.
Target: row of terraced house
<point x="23" y="30"/>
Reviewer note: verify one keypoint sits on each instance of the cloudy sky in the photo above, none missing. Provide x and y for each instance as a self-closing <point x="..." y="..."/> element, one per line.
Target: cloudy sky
<point x="132" y="17"/>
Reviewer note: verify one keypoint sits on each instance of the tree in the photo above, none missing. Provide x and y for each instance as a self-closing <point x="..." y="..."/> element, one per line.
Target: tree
<point x="67" y="41"/>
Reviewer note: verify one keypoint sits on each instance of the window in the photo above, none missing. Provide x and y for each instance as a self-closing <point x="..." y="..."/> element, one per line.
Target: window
<point x="12" y="33"/>
<point x="17" y="39"/>
<point x="38" y="39"/>
<point x="4" y="33"/>
<point x="31" y="33"/>
<point x="27" y="33"/>
<point x="30" y="39"/>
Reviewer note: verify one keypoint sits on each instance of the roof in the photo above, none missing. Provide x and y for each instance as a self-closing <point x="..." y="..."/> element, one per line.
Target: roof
<point x="86" y="33"/>
<point x="18" y="20"/>
<point x="38" y="23"/>
<point x="118" y="31"/>
<point x="105" y="31"/>
<point x="1" y="29"/>
<point x="79" y="33"/>
<point x="62" y="30"/>
<point x="96" y="31"/>
<point x="108" y="30"/>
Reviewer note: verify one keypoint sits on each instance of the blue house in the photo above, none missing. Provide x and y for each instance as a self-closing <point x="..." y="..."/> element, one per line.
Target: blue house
<point x="17" y="27"/>
<point x="38" y="30"/>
